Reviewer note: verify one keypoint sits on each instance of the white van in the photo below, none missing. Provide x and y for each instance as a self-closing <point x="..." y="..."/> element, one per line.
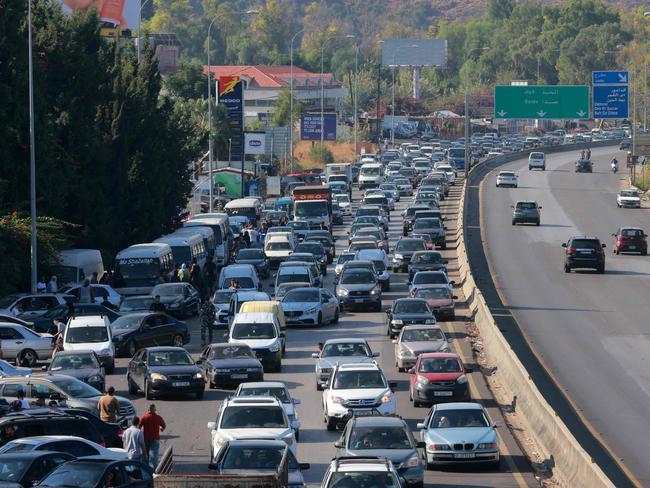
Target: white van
<point x="371" y="175"/>
<point x="75" y="265"/>
<point x="278" y="247"/>
<point x="136" y="267"/>
<point x="185" y="248"/>
<point x="536" y="160"/>
<point x="91" y="333"/>
<point x="248" y="207"/>
<point x="261" y="332"/>
<point x="245" y="275"/>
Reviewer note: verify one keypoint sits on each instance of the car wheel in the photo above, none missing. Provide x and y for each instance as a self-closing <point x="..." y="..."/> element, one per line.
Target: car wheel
<point x="148" y="394"/>
<point x="132" y="348"/>
<point x="297" y="435"/>
<point x="336" y="317"/>
<point x="514" y="222"/>
<point x="567" y="268"/>
<point x="319" y="320"/>
<point x="443" y="246"/>
<point x="199" y="394"/>
<point x="644" y="252"/>
<point x="616" y="251"/>
<point x="537" y="223"/>
<point x="377" y="307"/>
<point x="133" y="390"/>
<point x="277" y="367"/>
<point x="331" y="424"/>
<point x="110" y="369"/>
<point x="177" y="341"/>
<point x="318" y="387"/>
<point x="28" y="356"/>
<point x="601" y="269"/>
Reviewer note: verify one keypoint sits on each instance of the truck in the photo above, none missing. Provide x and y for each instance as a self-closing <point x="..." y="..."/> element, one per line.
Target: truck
<point x="313" y="204"/>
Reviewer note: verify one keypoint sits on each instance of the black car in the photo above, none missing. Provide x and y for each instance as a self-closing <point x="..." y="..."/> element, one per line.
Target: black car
<point x="434" y="228"/>
<point x="584" y="252"/>
<point x="45" y="323"/>
<point x="426" y="261"/>
<point x="161" y="370"/>
<point x="136" y="303"/>
<point x="83" y="365"/>
<point x="257" y="258"/>
<point x="26" y="425"/>
<point x="326" y="239"/>
<point x="100" y="473"/>
<point x="358" y="287"/>
<point x="180" y="299"/>
<point x="25" y="469"/>
<point x="407" y="311"/>
<point x="135" y="331"/>
<point x="404" y="250"/>
<point x="317" y="249"/>
<point x="584" y="166"/>
<point x="229" y="364"/>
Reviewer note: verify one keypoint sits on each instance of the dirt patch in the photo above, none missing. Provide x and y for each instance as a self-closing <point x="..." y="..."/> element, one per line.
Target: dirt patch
<point x="342" y="152"/>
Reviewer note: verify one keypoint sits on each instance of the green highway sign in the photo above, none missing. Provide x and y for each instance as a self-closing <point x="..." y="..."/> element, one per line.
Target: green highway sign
<point x="541" y="102"/>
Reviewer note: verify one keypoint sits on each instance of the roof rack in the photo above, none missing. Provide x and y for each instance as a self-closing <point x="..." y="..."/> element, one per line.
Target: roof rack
<point x="342" y="460"/>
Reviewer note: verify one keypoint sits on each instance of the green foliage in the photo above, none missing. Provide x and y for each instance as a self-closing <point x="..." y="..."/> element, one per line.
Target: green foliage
<point x="188" y="81"/>
<point x="282" y="112"/>
<point x="320" y="154"/>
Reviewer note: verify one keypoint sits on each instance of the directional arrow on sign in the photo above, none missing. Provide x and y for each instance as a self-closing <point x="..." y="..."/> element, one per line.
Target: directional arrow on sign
<point x="582" y="113"/>
<point x="541" y="113"/>
<point x="502" y="113"/>
<point x="622" y="78"/>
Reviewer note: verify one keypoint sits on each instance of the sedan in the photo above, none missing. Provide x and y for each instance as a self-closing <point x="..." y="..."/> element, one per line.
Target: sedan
<point x="160" y="370"/>
<point x="180" y="299"/>
<point x="630" y="239"/>
<point x="438" y="377"/>
<point x="83" y="365"/>
<point x="404" y="250"/>
<point x="414" y="340"/>
<point x="317" y="249"/>
<point x="138" y="330"/>
<point x="439" y="299"/>
<point x="310" y="306"/>
<point x="7" y="369"/>
<point x="422" y="278"/>
<point x="22" y="343"/>
<point x="426" y="261"/>
<point x="340" y="351"/>
<point x="77" y="446"/>
<point x="459" y="433"/>
<point x="359" y="287"/>
<point x="506" y="178"/>
<point x="29" y="306"/>
<point x="25" y="469"/>
<point x="407" y="311"/>
<point x="432" y="227"/>
<point x="257" y="258"/>
<point x="94" y="473"/>
<point x="229" y="364"/>
<point x="136" y="303"/>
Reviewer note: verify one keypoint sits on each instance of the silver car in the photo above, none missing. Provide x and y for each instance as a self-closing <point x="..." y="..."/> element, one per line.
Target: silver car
<point x="414" y="340"/>
<point x="24" y="344"/>
<point x="310" y="306"/>
<point x="340" y="351"/>
<point x="29" y="306"/>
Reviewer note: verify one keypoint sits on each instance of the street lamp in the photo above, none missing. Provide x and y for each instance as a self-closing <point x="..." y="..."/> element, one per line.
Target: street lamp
<point x="356" y="96"/>
<point x="142" y="4"/>
<point x="216" y="17"/>
<point x="392" y="116"/>
<point x="467" y="119"/>
<point x="291" y="99"/>
<point x="32" y="154"/>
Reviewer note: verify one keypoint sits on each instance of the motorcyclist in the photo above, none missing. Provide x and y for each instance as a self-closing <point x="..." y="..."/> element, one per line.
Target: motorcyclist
<point x="614" y="165"/>
<point x="207" y="316"/>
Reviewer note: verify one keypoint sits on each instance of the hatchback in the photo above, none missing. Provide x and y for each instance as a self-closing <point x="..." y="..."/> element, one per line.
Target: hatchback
<point x="630" y="239"/>
<point x="525" y="212"/>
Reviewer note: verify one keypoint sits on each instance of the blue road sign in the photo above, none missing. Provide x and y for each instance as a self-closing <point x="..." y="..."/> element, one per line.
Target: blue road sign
<point x="310" y="127"/>
<point x="609" y="77"/>
<point x="610" y="101"/>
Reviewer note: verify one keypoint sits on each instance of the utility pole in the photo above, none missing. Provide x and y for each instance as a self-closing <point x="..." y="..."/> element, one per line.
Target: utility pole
<point x="378" y="128"/>
<point x="32" y="154"/>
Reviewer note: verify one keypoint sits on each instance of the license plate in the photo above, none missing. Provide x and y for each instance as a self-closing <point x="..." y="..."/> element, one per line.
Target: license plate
<point x="443" y="393"/>
<point x="239" y="376"/>
<point x="464" y="455"/>
<point x="361" y="413"/>
<point x="181" y="383"/>
<point x="359" y="300"/>
<point x="631" y="247"/>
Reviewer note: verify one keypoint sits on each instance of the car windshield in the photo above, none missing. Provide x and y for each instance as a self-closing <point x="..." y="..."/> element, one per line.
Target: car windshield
<point x="278" y="392"/>
<point x="278" y="246"/>
<point x="311" y="209"/>
<point x="439" y="365"/>
<point x="344" y="258"/>
<point x="311" y="247"/>
<point x="461" y="419"/>
<point x="411" y="306"/>
<point x="343" y="198"/>
<point x="410" y="212"/>
<point x="222" y="296"/>
<point x="410" y="245"/>
<point x="426" y="258"/>
<point x="371" y="171"/>
<point x="135" y="304"/>
<point x="361" y="245"/>
<point x="422" y="335"/>
<point x="586" y="244"/>
<point x="255" y="458"/>
<point x="82" y="335"/>
<point x="350" y="380"/>
<point x="77" y="361"/>
<point x="293" y="277"/>
<point x="302" y="296"/>
<point x="627" y="193"/>
<point x="256" y="417"/>
<point x="343" y="349"/>
<point x="250" y="254"/>
<point x="369" y="232"/>
<point x="374" y="479"/>
<point x="526" y="205"/>
<point x="365" y="211"/>
<point x="79" y="475"/>
<point x="76" y="389"/>
<point x="126" y="323"/>
<point x="433" y="293"/>
<point x="429" y="278"/>
<point x="632" y="233"/>
<point x="427" y="224"/>
<point x="169" y="358"/>
<point x="168" y="290"/>
<point x="299" y="225"/>
<point x="231" y="352"/>
<point x="507" y="174"/>
<point x="253" y="331"/>
<point x="12" y="470"/>
<point x="357" y="277"/>
<point x="379" y="437"/>
<point x="242" y="281"/>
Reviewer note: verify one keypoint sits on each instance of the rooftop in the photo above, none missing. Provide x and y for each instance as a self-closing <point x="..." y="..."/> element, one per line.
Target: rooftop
<point x="263" y="76"/>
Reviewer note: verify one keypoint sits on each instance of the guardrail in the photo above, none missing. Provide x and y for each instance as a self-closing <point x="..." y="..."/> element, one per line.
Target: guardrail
<point x="166" y="463"/>
<point x="572" y="465"/>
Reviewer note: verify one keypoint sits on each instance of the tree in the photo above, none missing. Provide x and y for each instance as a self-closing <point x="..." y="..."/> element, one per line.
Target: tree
<point x="320" y="154"/>
<point x="188" y="81"/>
<point x="501" y="9"/>
<point x="282" y="115"/>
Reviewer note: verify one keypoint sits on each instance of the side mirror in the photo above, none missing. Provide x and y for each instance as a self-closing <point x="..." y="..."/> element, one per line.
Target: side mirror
<point x="296" y="401"/>
<point x="512" y="206"/>
<point x="468" y="370"/>
<point x="564" y="244"/>
<point x="421" y="444"/>
<point x="212" y="466"/>
<point x="411" y="371"/>
<point x="314" y="355"/>
<point x="212" y="426"/>
<point x="420" y="426"/>
<point x="43" y="368"/>
<point x="445" y="261"/>
<point x="375" y="354"/>
<point x="304" y="466"/>
<point x="497" y="424"/>
<point x="394" y="341"/>
<point x="604" y="245"/>
<point x="540" y="207"/>
<point x="613" y="235"/>
<point x="455" y="297"/>
<point x="392" y="385"/>
<point x="339" y="444"/>
<point x="452" y="282"/>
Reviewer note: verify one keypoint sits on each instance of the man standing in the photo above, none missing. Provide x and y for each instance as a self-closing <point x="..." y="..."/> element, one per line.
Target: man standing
<point x="152" y="425"/>
<point x="133" y="440"/>
<point x="108" y="406"/>
<point x="157" y="305"/>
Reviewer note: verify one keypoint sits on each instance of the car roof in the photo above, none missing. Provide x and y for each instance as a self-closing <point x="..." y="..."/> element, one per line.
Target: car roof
<point x="254" y="400"/>
<point x="459" y="406"/>
<point x="420" y="326"/>
<point x="445" y="355"/>
<point x="255" y="317"/>
<point x="262" y="384"/>
<point x="164" y="348"/>
<point x="38" y="439"/>
<point x="379" y="420"/>
<point x="29" y="455"/>
<point x="357" y="366"/>
<point x="346" y="340"/>
<point x="584" y="237"/>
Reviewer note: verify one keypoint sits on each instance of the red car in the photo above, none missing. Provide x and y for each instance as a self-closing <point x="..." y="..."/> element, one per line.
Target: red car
<point x="427" y="239"/>
<point x="438" y="377"/>
<point x="630" y="239"/>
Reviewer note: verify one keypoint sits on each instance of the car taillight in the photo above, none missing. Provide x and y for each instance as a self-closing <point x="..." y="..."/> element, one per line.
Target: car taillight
<point x="571" y="250"/>
<point x="102" y="443"/>
<point x="599" y="250"/>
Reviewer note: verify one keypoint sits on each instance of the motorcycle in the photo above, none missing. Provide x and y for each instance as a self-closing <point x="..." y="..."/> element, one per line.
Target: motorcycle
<point x="614" y="168"/>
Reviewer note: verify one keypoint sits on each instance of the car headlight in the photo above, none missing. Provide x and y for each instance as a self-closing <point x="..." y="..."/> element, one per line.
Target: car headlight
<point x="374" y="291"/>
<point x="310" y="310"/>
<point x="105" y="352"/>
<point x="397" y="321"/>
<point x="95" y="379"/>
<point x="422" y="380"/>
<point x="342" y="292"/>
<point x="430" y="321"/>
<point x="275" y="347"/>
<point x="488" y="445"/>
<point x="223" y="438"/>
<point x="439" y="447"/>
<point x="288" y="438"/>
<point x="337" y="399"/>
<point x="399" y="256"/>
<point x="462" y="379"/>
<point x="158" y="377"/>
<point x="198" y="376"/>
<point x="386" y="398"/>
<point x="412" y="462"/>
<point x="444" y="348"/>
<point x="406" y="352"/>
<point x="338" y="268"/>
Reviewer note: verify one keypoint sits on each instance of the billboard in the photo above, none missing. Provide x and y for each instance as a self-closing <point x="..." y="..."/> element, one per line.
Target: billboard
<point x="117" y="14"/>
<point x="255" y="143"/>
<point x="310" y="127"/>
<point x="231" y="96"/>
<point x="414" y="52"/>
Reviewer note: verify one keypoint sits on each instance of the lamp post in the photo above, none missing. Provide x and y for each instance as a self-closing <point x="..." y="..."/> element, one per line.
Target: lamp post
<point x="356" y="96"/>
<point x="216" y="17"/>
<point x="32" y="155"/>
<point x="142" y="4"/>
<point x="467" y="118"/>
<point x="291" y="99"/>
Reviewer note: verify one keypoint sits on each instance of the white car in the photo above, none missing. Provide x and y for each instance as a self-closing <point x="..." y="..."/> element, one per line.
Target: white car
<point x="537" y="160"/>
<point x="261" y="332"/>
<point x="77" y="446"/>
<point x="507" y="178"/>
<point x="100" y="292"/>
<point x="344" y="204"/>
<point x="91" y="333"/>
<point x="361" y="471"/>
<point x="30" y="306"/>
<point x="277" y="248"/>
<point x="449" y="171"/>
<point x="404" y="187"/>
<point x="628" y="199"/>
<point x="250" y="418"/>
<point x="357" y="389"/>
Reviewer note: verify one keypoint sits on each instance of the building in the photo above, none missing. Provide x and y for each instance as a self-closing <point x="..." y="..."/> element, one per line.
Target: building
<point x="263" y="85"/>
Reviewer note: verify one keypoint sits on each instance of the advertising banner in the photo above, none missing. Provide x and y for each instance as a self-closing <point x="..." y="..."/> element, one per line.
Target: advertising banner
<point x="273" y="185"/>
<point x="255" y="143"/>
<point x="231" y="96"/>
<point x="116" y="14"/>
<point x="310" y="127"/>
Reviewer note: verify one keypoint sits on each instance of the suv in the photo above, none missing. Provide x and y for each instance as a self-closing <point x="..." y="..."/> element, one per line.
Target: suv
<point x="357" y="390"/>
<point x="361" y="472"/>
<point x="340" y="351"/>
<point x="526" y="212"/>
<point x="52" y="424"/>
<point x="91" y="333"/>
<point x="584" y="166"/>
<point x="584" y="252"/>
<point x="261" y="331"/>
<point x="244" y="417"/>
<point x="537" y="160"/>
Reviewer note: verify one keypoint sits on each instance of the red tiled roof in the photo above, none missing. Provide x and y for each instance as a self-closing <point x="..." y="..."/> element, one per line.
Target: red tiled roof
<point x="273" y="76"/>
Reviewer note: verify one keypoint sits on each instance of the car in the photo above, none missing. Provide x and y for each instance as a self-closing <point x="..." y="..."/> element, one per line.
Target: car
<point x="359" y="264"/>
<point x="164" y="370"/>
<point x="536" y="160"/>
<point x="180" y="299"/>
<point x="340" y="351"/>
<point x="28" y="423"/>
<point x="376" y="234"/>
<point x="257" y="258"/>
<point x="283" y="288"/>
<point x="426" y="261"/>
<point x="358" y="287"/>
<point x="24" y="345"/>
<point x="25" y="469"/>
<point x="423" y="278"/>
<point x="404" y="250"/>
<point x="459" y="432"/>
<point x="345" y="204"/>
<point x="326" y="239"/>
<point x="28" y="306"/>
<point x="628" y="199"/>
<point x="101" y="293"/>
<point x="300" y="228"/>
<point x="261" y="331"/>
<point x="275" y="389"/>
<point x="526" y="212"/>
<point x="341" y="260"/>
<point x="259" y="456"/>
<point x="380" y="261"/>
<point x="372" y="214"/>
<point x="407" y="311"/>
<point x="69" y="444"/>
<point x="506" y="178"/>
<point x="229" y="364"/>
<point x="277" y="247"/>
<point x="361" y="243"/>
<point x="360" y="472"/>
<point x="583" y="166"/>
<point x="275" y="217"/>
<point x="391" y="189"/>
<point x="45" y="323"/>
<point x="630" y="239"/>
<point x="310" y="306"/>
<point x="100" y="473"/>
<point x="357" y="389"/>
<point x="83" y="365"/>
<point x="297" y="272"/>
<point x="135" y="303"/>
<point x="144" y="329"/>
<point x="584" y="252"/>
<point x="244" y="274"/>
<point x="408" y="217"/>
<point x="317" y="250"/>
<point x="438" y="377"/>
<point x="414" y="340"/>
<point x="304" y="257"/>
<point x="241" y="418"/>
<point x="91" y="332"/>
<point x="7" y="369"/>
<point x="386" y="437"/>
<point x="439" y="298"/>
<point x="432" y="227"/>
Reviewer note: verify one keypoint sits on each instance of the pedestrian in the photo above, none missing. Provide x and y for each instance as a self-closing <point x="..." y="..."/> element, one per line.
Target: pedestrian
<point x="133" y="441"/>
<point x="152" y="425"/>
<point x="16" y="310"/>
<point x="108" y="406"/>
<point x="209" y="274"/>
<point x="246" y="238"/>
<point x="8" y="434"/>
<point x="52" y="285"/>
<point x="60" y="327"/>
<point x="41" y="286"/>
<point x="86" y="294"/>
<point x="588" y="153"/>
<point x="21" y="398"/>
<point x="207" y="317"/>
<point x="174" y="275"/>
<point x="184" y="274"/>
<point x="105" y="279"/>
<point x="157" y="305"/>
<point x="93" y="279"/>
<point x="196" y="279"/>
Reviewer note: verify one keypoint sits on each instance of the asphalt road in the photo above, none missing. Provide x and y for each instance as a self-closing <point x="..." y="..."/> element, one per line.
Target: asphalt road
<point x="590" y="330"/>
<point x="187" y="418"/>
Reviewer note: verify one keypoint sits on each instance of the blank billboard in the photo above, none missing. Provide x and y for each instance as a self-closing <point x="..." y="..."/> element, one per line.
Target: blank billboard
<point x="414" y="52"/>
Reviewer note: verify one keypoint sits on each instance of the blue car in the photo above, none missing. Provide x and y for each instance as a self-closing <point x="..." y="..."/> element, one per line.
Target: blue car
<point x="310" y="306"/>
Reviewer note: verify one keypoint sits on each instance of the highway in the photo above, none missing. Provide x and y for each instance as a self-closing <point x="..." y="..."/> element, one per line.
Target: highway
<point x="187" y="418"/>
<point x="590" y="330"/>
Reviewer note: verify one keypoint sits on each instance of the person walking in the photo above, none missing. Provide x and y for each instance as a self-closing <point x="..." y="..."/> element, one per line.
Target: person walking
<point x="184" y="274"/>
<point x="52" y="285"/>
<point x="152" y="425"/>
<point x="41" y="286"/>
<point x="174" y="275"/>
<point x="108" y="406"/>
<point x="207" y="316"/>
<point x="86" y="294"/>
<point x="133" y="441"/>
<point x="209" y="274"/>
<point x="157" y="305"/>
<point x="196" y="278"/>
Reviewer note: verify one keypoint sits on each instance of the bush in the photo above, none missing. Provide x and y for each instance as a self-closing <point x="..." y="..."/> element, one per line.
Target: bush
<point x="320" y="154"/>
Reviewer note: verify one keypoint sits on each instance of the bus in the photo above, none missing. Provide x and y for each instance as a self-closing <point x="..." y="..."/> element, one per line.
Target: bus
<point x="137" y="267"/>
